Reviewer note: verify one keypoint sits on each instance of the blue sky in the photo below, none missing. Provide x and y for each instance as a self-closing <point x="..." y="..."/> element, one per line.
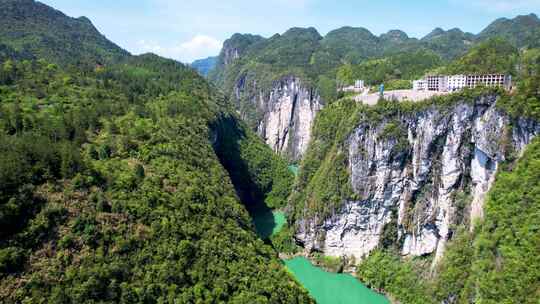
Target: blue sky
<point x="190" y="29"/>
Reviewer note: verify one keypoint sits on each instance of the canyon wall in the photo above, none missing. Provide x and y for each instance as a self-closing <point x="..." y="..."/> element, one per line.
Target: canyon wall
<point x="284" y="114"/>
<point x="417" y="177"/>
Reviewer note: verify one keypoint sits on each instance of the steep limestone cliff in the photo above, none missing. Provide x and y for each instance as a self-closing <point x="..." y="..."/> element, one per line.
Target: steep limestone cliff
<point x="415" y="176"/>
<point x="284" y="114"/>
<point x="268" y="81"/>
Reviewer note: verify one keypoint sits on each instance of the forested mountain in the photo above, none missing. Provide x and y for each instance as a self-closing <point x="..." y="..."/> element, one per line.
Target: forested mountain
<point x="205" y="66"/>
<point x="315" y="55"/>
<point x="522" y="31"/>
<point x="233" y="48"/>
<point x="114" y="182"/>
<point x="449" y="44"/>
<point x="35" y="30"/>
<point x="253" y="71"/>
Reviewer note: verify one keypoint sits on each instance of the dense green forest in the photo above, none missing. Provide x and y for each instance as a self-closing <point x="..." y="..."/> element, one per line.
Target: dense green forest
<point x="495" y="55"/>
<point x="396" y="71"/>
<point x="111" y="190"/>
<point x="116" y="184"/>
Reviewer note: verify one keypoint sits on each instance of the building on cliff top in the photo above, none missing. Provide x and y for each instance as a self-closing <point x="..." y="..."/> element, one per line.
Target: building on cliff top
<point x="453" y="83"/>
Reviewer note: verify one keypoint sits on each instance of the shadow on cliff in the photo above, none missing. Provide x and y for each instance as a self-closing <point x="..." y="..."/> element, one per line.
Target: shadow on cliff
<point x="230" y="140"/>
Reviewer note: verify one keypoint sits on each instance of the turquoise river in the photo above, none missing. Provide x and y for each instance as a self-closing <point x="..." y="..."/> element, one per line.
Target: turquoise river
<point x="324" y="287"/>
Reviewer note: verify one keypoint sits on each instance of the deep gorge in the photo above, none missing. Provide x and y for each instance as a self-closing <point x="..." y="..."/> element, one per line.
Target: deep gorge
<point x="259" y="175"/>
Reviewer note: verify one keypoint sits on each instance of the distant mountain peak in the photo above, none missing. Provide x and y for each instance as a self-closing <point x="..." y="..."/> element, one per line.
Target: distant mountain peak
<point x="350" y="29"/>
<point x="531" y="16"/>
<point x="85" y="20"/>
<point x="351" y="33"/>
<point x="301" y="31"/>
<point x="395" y="35"/>
<point x="205" y="66"/>
<point x="456" y="30"/>
<point x="31" y="27"/>
<point x="237" y="46"/>
<point x="435" y="33"/>
<point x="523" y="30"/>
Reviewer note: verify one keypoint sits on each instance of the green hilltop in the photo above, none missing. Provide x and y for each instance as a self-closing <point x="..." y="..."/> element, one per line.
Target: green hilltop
<point x="35" y="30"/>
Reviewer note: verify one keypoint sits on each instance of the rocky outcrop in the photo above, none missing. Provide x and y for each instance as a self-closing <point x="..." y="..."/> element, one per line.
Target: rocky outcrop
<point x="236" y="46"/>
<point x="285" y="114"/>
<point x="423" y="179"/>
<point x="230" y="55"/>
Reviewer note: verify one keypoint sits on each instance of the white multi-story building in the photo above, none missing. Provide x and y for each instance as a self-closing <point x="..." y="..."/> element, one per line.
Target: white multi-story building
<point x="359" y="84"/>
<point x="490" y="80"/>
<point x="454" y="83"/>
<point x="457" y="82"/>
<point x="420" y="85"/>
<point x="437" y="83"/>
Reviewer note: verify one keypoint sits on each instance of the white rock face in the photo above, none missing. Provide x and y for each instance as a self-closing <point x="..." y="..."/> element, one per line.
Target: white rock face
<point x="414" y="187"/>
<point x="283" y="115"/>
<point x="289" y="113"/>
<point x="230" y="55"/>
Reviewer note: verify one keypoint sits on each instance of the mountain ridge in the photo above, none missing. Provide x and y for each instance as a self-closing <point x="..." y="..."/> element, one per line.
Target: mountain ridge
<point x="205" y="66"/>
<point x="30" y="26"/>
<point x="251" y="69"/>
<point x="362" y="33"/>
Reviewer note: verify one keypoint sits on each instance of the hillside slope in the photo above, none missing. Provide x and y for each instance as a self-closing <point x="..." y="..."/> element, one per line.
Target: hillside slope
<point x="112" y="191"/>
<point x="114" y="186"/>
<point x="33" y="29"/>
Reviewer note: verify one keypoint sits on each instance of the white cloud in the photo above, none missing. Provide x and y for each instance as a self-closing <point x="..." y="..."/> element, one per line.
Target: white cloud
<point x="503" y="5"/>
<point x="200" y="46"/>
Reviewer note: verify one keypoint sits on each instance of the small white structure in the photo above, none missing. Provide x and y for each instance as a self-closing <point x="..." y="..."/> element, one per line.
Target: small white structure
<point x="359" y="84"/>
<point x="420" y="85"/>
<point x="358" y="87"/>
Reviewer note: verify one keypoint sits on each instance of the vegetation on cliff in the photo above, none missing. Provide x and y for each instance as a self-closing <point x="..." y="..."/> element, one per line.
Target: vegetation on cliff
<point x="474" y="263"/>
<point x="480" y="266"/>
<point x="112" y="191"/>
<point x="496" y="263"/>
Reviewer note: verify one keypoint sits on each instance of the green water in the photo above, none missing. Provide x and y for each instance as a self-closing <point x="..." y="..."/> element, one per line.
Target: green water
<point x="324" y="287"/>
<point x="268" y="222"/>
<point x="332" y="288"/>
